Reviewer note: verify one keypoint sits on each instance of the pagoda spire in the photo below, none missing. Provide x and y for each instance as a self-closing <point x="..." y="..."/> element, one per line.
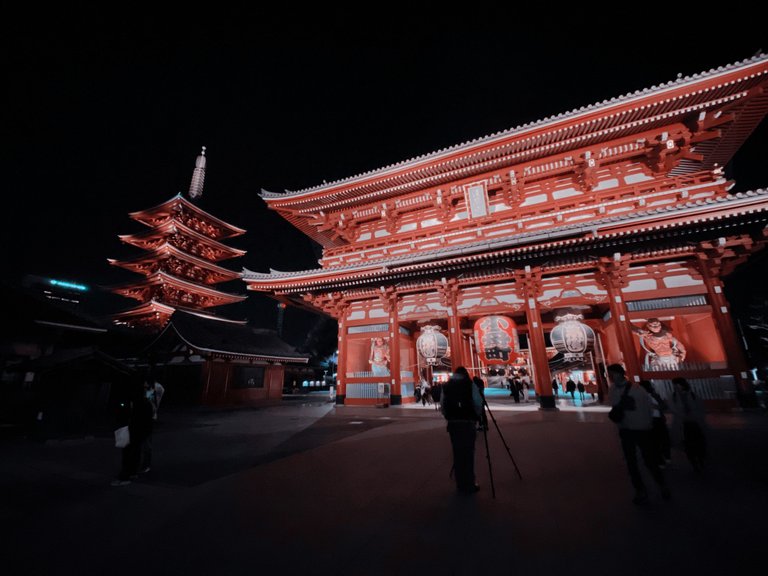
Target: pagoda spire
<point x="198" y="177"/>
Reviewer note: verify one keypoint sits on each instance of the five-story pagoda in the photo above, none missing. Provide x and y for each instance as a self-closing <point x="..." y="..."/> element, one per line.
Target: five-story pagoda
<point x="180" y="264"/>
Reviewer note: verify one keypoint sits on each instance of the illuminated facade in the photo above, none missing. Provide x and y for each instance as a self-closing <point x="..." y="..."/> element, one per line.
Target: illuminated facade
<point x="616" y="216"/>
<point x="180" y="266"/>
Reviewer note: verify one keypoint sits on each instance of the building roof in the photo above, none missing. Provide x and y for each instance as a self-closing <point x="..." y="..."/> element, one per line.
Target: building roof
<point x="160" y="278"/>
<point x="167" y="209"/>
<point x="218" y="337"/>
<point x="167" y="250"/>
<point x="172" y="226"/>
<point x="633" y="223"/>
<point x="68" y="358"/>
<point x="737" y="88"/>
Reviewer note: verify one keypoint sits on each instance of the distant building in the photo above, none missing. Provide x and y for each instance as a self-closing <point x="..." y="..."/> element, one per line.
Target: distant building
<point x="211" y="361"/>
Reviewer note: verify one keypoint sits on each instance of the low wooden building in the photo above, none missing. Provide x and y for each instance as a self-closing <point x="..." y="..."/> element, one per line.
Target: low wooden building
<point x="208" y="360"/>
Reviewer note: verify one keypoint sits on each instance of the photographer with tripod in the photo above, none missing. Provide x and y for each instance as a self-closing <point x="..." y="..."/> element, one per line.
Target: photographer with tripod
<point x="462" y="407"/>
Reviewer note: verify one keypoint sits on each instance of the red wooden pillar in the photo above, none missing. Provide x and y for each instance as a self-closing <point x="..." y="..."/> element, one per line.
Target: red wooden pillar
<point x="721" y="314"/>
<point x="448" y="290"/>
<point x="613" y="276"/>
<point x="396" y="395"/>
<point x="454" y="331"/>
<point x="341" y="361"/>
<point x="537" y="346"/>
<point x="529" y="288"/>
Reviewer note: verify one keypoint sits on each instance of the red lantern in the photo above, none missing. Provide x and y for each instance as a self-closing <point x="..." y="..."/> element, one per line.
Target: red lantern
<point x="496" y="339"/>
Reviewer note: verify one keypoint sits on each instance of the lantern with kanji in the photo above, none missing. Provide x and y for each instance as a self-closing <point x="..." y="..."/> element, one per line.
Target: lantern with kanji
<point x="496" y="339"/>
<point x="572" y="337"/>
<point x="432" y="345"/>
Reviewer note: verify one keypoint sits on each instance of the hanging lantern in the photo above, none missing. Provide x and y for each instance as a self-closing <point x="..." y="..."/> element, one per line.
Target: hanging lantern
<point x="432" y="344"/>
<point x="496" y="339"/>
<point x="572" y="337"/>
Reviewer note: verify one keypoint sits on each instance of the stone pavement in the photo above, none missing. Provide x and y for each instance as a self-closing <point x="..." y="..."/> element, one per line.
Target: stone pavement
<point x="309" y="488"/>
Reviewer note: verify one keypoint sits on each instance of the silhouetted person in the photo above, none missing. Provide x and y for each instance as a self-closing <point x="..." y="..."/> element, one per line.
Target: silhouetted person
<point x="522" y="389"/>
<point x="555" y="387"/>
<point x="660" y="430"/>
<point x="139" y="412"/>
<point x="462" y="405"/>
<point x="689" y="421"/>
<point x="635" y="432"/>
<point x="514" y="389"/>
<point x="435" y="391"/>
<point x="580" y="388"/>
<point x="570" y="387"/>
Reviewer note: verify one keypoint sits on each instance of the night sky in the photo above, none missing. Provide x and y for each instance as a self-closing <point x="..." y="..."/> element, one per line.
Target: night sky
<point x="105" y="114"/>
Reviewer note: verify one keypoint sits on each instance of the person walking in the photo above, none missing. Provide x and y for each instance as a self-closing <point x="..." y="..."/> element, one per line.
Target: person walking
<point x="425" y="393"/>
<point x="523" y="388"/>
<point x="555" y="387"/>
<point x="570" y="388"/>
<point x="660" y="431"/>
<point x="635" y="432"/>
<point x="580" y="388"/>
<point x="462" y="406"/>
<point x="689" y="423"/>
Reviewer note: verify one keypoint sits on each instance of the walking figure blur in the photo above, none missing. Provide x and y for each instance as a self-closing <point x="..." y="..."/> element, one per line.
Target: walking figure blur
<point x="580" y="388"/>
<point x="570" y="388"/>
<point x="689" y="423"/>
<point x="660" y="430"/>
<point x="635" y="432"/>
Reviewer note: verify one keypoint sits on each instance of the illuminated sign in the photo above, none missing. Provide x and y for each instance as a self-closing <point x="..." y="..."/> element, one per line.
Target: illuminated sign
<point x="70" y="285"/>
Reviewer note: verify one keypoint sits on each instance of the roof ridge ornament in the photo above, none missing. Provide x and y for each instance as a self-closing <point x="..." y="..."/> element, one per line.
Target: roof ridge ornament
<point x="198" y="176"/>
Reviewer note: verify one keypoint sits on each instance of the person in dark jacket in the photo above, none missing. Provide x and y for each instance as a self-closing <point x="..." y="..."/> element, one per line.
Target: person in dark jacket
<point x="635" y="432"/>
<point x="462" y="406"/>
<point x="140" y="420"/>
<point x="570" y="387"/>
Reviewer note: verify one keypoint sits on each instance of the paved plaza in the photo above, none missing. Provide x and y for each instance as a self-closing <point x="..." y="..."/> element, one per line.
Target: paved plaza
<point x="310" y="488"/>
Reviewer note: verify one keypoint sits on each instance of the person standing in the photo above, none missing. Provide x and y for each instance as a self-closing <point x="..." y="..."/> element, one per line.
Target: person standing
<point x="140" y="413"/>
<point x="635" y="432"/>
<point x="462" y="406"/>
<point x="555" y="387"/>
<point x="580" y="388"/>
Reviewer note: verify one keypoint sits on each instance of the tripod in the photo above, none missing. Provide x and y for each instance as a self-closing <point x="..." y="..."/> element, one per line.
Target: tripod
<point x="488" y="452"/>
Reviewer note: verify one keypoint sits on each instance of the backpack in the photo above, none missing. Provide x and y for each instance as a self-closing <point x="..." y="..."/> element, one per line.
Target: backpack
<point x="457" y="401"/>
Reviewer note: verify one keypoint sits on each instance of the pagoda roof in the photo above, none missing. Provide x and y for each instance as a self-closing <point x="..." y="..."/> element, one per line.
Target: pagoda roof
<point x="215" y="336"/>
<point x="736" y="87"/>
<point x="171" y="227"/>
<point x="167" y="249"/>
<point x="155" y="307"/>
<point x="627" y="225"/>
<point x="146" y="216"/>
<point x="161" y="277"/>
<point x="151" y="307"/>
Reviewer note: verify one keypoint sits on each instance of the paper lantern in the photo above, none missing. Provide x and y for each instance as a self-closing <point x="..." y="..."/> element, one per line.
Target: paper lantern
<point x="572" y="337"/>
<point x="432" y="344"/>
<point x="496" y="339"/>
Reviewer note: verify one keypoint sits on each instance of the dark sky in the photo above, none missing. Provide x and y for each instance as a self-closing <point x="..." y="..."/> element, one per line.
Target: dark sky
<point x="105" y="114"/>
